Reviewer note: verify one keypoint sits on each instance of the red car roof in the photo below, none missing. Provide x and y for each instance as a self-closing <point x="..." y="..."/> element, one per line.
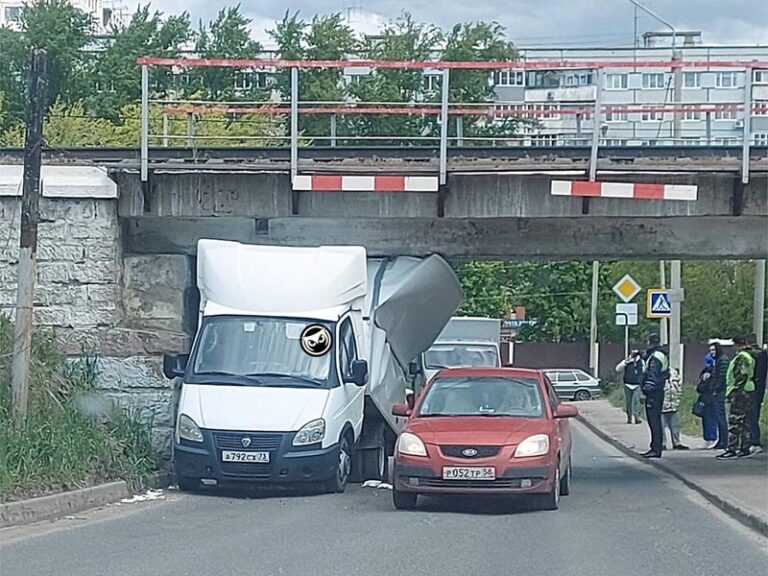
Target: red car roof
<point x="499" y="372"/>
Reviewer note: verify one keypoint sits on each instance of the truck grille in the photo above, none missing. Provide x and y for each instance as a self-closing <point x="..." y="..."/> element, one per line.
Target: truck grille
<point x="457" y="451"/>
<point x="234" y="441"/>
<point x="247" y="469"/>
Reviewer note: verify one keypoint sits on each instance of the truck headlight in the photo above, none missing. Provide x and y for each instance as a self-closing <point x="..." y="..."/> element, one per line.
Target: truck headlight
<point x="311" y="433"/>
<point x="411" y="445"/>
<point x="537" y="445"/>
<point x="189" y="430"/>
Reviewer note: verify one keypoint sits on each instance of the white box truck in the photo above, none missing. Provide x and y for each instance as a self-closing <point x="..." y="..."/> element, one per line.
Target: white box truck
<point x="465" y="342"/>
<point x="299" y="356"/>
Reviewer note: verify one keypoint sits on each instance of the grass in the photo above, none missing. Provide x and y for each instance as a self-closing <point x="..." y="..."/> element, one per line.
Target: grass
<point x="691" y="425"/>
<point x="72" y="437"/>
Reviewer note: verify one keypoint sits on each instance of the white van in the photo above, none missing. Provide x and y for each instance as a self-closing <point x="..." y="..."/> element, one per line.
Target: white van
<point x="299" y="357"/>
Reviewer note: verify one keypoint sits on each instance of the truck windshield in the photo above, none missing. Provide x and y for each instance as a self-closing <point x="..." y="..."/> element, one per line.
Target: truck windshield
<point x="258" y="351"/>
<point x="483" y="396"/>
<point x="461" y="356"/>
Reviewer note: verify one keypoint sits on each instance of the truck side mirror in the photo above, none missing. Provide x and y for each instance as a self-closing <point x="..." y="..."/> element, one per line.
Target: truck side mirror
<point x="174" y="365"/>
<point x="401" y="410"/>
<point x="413" y="368"/>
<point x="360" y="372"/>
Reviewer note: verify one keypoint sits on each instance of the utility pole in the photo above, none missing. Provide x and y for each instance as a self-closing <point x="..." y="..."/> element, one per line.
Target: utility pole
<point x="759" y="304"/>
<point x="30" y="211"/>
<point x="675" y="356"/>
<point x="593" y="350"/>
<point x="663" y="326"/>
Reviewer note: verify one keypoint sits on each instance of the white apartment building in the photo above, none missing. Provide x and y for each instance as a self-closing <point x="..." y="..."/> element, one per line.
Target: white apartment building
<point x="106" y="14"/>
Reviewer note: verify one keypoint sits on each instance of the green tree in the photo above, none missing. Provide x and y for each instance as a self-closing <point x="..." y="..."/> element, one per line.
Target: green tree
<point x="13" y="71"/>
<point x="485" y="289"/>
<point x="228" y="36"/>
<point x="116" y="78"/>
<point x="478" y="42"/>
<point x="325" y="38"/>
<point x="401" y="40"/>
<point x="64" y="32"/>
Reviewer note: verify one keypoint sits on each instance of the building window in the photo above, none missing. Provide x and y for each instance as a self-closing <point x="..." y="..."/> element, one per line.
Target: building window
<point x="548" y="111"/>
<point x="652" y="116"/>
<point x="583" y="78"/>
<point x="614" y="142"/>
<point x="761" y="108"/>
<point x="583" y="110"/>
<point x="650" y="143"/>
<point x="760" y="77"/>
<point x="695" y="141"/>
<point x="654" y="81"/>
<point x="544" y="140"/>
<point x="691" y="79"/>
<point x="244" y="81"/>
<point x="725" y="115"/>
<point x="691" y="113"/>
<point x="431" y="83"/>
<point x="13" y="13"/>
<point x="616" y="81"/>
<point x="726" y="141"/>
<point x="726" y="80"/>
<point x="760" y="139"/>
<point x="509" y="78"/>
<point x="612" y="116"/>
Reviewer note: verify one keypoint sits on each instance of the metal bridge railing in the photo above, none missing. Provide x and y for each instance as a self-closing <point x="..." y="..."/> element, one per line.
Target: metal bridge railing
<point x="591" y="122"/>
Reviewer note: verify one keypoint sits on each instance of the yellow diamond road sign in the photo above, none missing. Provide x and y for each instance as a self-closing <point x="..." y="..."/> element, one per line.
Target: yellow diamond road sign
<point x="626" y="288"/>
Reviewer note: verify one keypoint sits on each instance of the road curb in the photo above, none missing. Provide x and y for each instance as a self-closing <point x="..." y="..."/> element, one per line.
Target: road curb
<point x="746" y="518"/>
<point x="66" y="503"/>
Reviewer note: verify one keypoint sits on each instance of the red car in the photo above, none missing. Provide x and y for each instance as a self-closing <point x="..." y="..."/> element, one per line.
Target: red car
<point x="484" y="431"/>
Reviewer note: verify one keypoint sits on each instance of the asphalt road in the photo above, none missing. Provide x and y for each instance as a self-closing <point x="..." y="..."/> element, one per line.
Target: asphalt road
<point x="623" y="518"/>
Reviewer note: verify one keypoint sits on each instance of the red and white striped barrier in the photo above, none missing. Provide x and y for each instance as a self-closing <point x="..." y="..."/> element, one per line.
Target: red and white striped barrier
<point x="635" y="191"/>
<point x="336" y="183"/>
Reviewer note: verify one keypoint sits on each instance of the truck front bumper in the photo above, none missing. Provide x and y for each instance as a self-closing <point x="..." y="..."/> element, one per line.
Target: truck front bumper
<point x="287" y="464"/>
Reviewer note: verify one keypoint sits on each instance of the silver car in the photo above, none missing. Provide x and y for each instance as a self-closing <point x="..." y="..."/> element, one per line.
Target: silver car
<point x="574" y="384"/>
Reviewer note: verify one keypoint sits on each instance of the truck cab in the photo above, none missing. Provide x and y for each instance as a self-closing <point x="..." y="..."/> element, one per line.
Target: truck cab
<point x="465" y="342"/>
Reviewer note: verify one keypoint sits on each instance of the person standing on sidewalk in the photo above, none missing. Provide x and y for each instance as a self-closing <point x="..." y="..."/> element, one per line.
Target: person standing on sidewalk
<point x="670" y="419"/>
<point x="704" y="389"/>
<point x="761" y="373"/>
<point x="654" y="380"/>
<point x="717" y="390"/>
<point x="632" y="369"/>
<point x="739" y="391"/>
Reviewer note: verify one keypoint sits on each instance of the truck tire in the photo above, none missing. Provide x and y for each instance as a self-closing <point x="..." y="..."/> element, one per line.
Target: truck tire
<point x="338" y="483"/>
<point x="372" y="463"/>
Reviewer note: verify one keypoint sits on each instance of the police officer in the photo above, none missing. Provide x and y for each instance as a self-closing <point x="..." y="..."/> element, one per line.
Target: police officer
<point x="654" y="380"/>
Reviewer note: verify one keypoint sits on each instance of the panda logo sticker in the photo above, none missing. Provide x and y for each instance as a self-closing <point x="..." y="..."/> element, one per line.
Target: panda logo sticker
<point x="315" y="340"/>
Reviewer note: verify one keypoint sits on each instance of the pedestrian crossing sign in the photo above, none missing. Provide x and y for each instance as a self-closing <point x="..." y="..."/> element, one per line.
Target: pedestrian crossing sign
<point x="658" y="304"/>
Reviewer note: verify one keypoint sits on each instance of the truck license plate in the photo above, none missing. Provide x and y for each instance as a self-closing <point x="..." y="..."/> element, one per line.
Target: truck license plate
<point x="466" y="473"/>
<point x="236" y="456"/>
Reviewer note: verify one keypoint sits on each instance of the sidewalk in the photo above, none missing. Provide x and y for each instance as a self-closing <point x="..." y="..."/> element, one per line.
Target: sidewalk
<point x="738" y="487"/>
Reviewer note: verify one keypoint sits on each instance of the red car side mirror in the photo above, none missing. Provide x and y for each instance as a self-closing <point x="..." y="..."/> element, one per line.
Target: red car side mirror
<point x="402" y="410"/>
<point x="566" y="411"/>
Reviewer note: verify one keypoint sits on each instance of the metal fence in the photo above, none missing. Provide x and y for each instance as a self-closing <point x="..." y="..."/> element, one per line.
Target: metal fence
<point x="665" y="118"/>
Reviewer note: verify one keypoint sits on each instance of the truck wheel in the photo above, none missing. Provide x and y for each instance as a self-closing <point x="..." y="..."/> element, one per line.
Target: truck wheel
<point x="374" y="463"/>
<point x="338" y="483"/>
<point x="404" y="500"/>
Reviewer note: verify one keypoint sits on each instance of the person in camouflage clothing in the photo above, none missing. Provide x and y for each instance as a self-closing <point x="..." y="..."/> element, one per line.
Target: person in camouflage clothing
<point x="740" y="387"/>
<point x="670" y="418"/>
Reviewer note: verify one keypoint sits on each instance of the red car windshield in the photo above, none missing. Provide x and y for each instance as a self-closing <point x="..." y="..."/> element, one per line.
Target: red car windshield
<point x="483" y="396"/>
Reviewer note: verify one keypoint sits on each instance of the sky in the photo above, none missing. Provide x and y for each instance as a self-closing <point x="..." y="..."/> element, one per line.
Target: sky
<point x="529" y="23"/>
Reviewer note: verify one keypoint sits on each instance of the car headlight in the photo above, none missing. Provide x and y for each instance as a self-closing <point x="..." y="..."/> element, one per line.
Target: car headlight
<point x="537" y="445"/>
<point x="411" y="445"/>
<point x="311" y="433"/>
<point x="189" y="430"/>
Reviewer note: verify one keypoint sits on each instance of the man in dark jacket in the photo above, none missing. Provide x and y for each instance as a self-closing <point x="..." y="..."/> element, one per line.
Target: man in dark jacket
<point x="717" y="391"/>
<point x="654" y="380"/>
<point x="761" y="373"/>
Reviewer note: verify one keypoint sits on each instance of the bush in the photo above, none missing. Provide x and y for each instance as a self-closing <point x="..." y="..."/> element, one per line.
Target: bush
<point x="72" y="437"/>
